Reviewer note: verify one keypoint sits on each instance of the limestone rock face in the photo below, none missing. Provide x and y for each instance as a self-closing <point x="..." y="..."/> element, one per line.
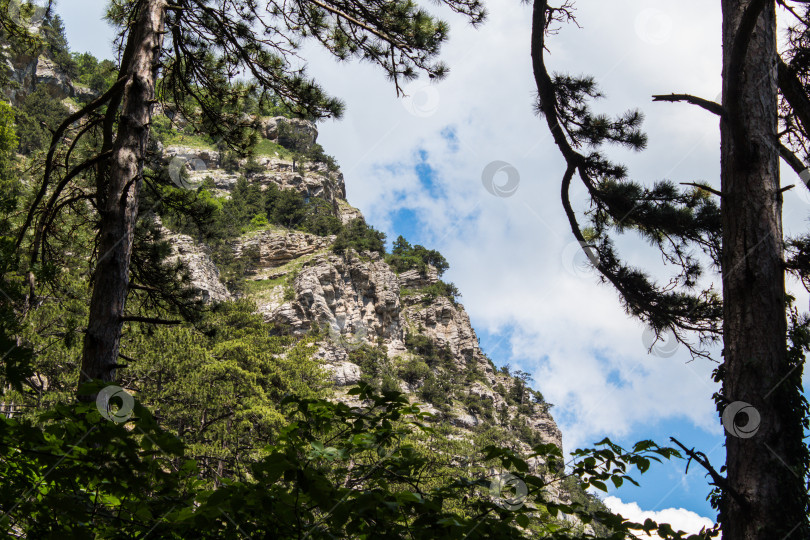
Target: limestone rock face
<point x="414" y="279"/>
<point x="203" y="272"/>
<point x="356" y="299"/>
<point x="49" y="75"/>
<point x="346" y="211"/>
<point x="289" y="131"/>
<point x="30" y="72"/>
<point x="347" y="294"/>
<point x="270" y="248"/>
<point x="309" y="179"/>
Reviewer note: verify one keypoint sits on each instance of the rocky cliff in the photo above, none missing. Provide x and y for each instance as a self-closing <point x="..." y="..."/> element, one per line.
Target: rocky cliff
<point x="360" y="304"/>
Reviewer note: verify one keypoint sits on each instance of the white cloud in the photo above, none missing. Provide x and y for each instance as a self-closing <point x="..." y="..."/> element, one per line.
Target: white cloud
<point x="507" y="254"/>
<point x="679" y="518"/>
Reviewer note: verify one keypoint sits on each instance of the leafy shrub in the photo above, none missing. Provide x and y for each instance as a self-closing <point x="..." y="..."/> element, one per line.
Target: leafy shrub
<point x="285" y="207"/>
<point x="359" y="236"/>
<point x="333" y="472"/>
<point x="440" y="288"/>
<point x="406" y="257"/>
<point x="479" y="405"/>
<point x="425" y="347"/>
<point x="414" y="371"/>
<point x="96" y="75"/>
<point x="435" y="390"/>
<point x="317" y="154"/>
<point x="258" y="221"/>
<point x="320" y="218"/>
<point x="37" y="116"/>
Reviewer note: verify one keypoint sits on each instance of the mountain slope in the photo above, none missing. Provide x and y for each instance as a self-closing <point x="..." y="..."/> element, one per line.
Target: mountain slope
<point x="419" y="340"/>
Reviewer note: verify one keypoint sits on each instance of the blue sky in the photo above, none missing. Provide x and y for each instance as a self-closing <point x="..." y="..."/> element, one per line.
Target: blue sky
<point x="414" y="167"/>
<point x="666" y="484"/>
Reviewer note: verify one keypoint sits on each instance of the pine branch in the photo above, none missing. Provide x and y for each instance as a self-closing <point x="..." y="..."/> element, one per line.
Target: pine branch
<point x="718" y="479"/>
<point x="793" y="91"/>
<point x="710" y="106"/>
<point x="70" y="120"/>
<point x="704" y="187"/>
<point x="797" y="93"/>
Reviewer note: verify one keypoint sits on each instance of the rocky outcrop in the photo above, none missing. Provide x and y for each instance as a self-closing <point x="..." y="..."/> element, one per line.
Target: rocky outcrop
<point x="32" y="69"/>
<point x="350" y="294"/>
<point x="356" y="300"/>
<point x="310" y="179"/>
<point x="289" y="132"/>
<point x="29" y="72"/>
<point x="202" y="270"/>
<point x="269" y="249"/>
<point x="415" y="279"/>
<point x="448" y="325"/>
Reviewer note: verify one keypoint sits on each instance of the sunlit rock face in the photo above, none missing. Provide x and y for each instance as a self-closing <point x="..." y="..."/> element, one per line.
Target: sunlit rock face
<point x="354" y="299"/>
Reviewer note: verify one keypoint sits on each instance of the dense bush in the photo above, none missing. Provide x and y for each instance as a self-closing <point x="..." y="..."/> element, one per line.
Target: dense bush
<point x="406" y="257"/>
<point x="359" y="236"/>
<point x="334" y="472"/>
<point x="96" y="75"/>
<point x="36" y="118"/>
<point x="414" y="371"/>
<point x="426" y="348"/>
<point x="440" y="288"/>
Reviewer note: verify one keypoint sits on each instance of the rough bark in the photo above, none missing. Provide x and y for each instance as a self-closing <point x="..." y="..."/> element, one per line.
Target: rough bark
<point x="120" y="182"/>
<point x="754" y="323"/>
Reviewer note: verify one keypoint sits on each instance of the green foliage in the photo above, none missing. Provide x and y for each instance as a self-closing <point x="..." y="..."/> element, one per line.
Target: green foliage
<point x="16" y="360"/>
<point x="317" y="154"/>
<point x="436" y="390"/>
<point x="376" y="370"/>
<point x="413" y="371"/>
<point x="37" y="116"/>
<point x="285" y="207"/>
<point x="480" y="406"/>
<point x="426" y="348"/>
<point x="333" y="471"/>
<point x="56" y="46"/>
<point x="404" y="257"/>
<point x="320" y="218"/>
<point x="222" y="393"/>
<point x="441" y="288"/>
<point x="359" y="236"/>
<point x="97" y="75"/>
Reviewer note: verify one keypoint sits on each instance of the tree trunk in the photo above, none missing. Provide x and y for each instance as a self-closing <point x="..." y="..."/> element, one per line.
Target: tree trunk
<point x="760" y="501"/>
<point x="119" y="186"/>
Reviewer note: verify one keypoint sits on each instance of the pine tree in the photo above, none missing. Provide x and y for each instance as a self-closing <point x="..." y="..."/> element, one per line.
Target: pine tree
<point x="188" y="53"/>
<point x="763" y="493"/>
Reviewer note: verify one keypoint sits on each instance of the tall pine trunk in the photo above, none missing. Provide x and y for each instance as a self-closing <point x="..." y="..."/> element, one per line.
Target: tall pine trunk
<point x="118" y="188"/>
<point x="760" y="502"/>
